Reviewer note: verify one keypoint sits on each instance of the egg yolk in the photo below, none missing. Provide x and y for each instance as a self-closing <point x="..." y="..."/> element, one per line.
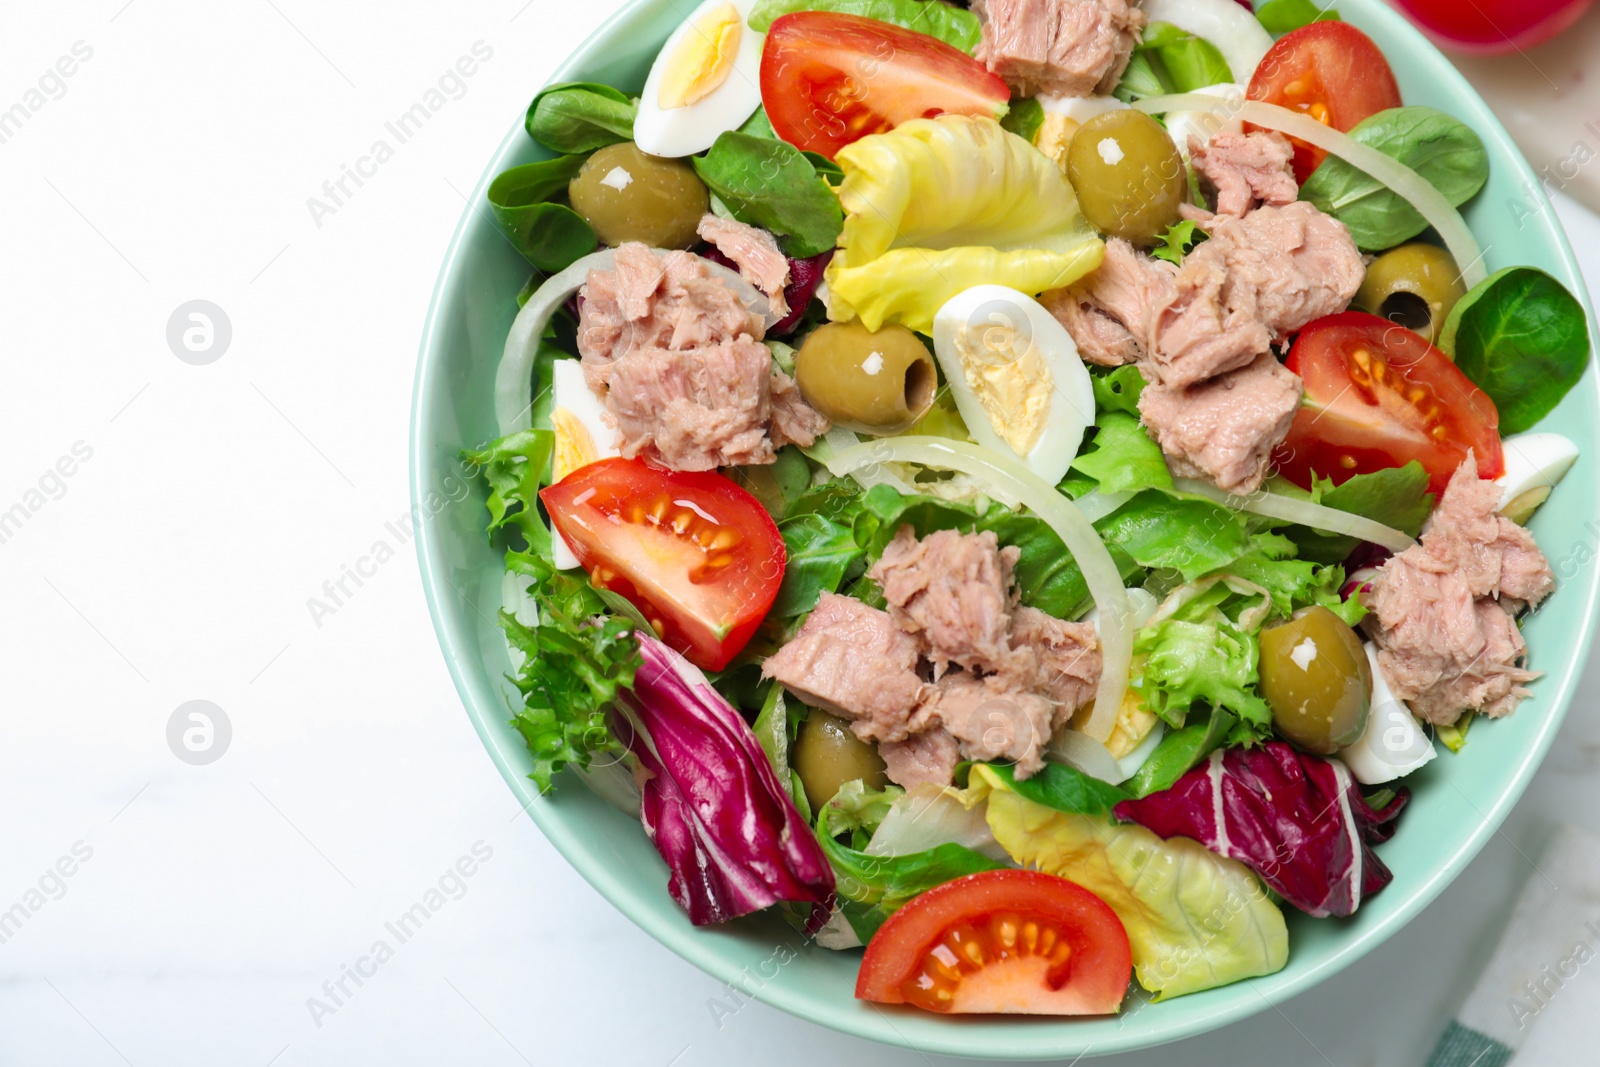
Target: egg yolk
<point x="574" y="447"/>
<point x="703" y="59"/>
<point x="1010" y="378"/>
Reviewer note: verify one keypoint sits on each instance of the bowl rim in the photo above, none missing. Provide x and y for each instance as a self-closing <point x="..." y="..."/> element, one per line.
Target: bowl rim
<point x="967" y="1039"/>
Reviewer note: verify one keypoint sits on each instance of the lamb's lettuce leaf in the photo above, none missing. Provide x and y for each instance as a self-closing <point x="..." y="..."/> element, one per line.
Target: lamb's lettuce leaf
<point x="954" y="26"/>
<point x="1170" y="60"/>
<point x="1523" y="339"/>
<point x="769" y="183"/>
<point x="578" y="117"/>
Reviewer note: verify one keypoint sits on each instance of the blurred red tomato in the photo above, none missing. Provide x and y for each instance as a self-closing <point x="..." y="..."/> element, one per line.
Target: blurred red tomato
<point x="1490" y="26"/>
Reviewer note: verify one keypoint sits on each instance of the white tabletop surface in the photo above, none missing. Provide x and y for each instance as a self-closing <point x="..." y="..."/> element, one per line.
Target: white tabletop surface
<point x="207" y="504"/>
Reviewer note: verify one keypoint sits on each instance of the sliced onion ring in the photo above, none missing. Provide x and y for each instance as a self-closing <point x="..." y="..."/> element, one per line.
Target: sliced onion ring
<point x="1083" y="753"/>
<point x="1407" y="183"/>
<point x="513" y="406"/>
<point x="1301" y="512"/>
<point x="1015" y="480"/>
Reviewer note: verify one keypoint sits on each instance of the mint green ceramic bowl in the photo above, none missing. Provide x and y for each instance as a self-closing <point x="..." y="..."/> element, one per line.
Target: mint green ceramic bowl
<point x="1459" y="800"/>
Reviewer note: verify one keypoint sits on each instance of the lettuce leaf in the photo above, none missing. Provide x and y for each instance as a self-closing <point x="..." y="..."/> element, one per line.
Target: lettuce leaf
<point x="871" y="888"/>
<point x="954" y="26"/>
<point x="1195" y="920"/>
<point x="939" y="205"/>
<point x="575" y="661"/>
<point x="821" y="555"/>
<point x="1290" y="817"/>
<point x="1212" y="661"/>
<point x="1395" y="496"/>
<point x="1122" y="458"/>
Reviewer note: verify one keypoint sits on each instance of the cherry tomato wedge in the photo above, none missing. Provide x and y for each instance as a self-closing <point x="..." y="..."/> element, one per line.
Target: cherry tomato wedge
<point x="1330" y="71"/>
<point x="1007" y="941"/>
<point x="1492" y="26"/>
<point x="828" y="79"/>
<point x="691" y="550"/>
<point x="1378" y="396"/>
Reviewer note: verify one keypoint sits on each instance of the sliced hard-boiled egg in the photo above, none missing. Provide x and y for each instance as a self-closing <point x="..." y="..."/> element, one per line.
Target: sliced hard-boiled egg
<point x="1062" y="117"/>
<point x="1204" y="125"/>
<point x="1535" y="462"/>
<point x="1394" y="743"/>
<point x="582" y="432"/>
<point x="705" y="82"/>
<point x="1016" y="376"/>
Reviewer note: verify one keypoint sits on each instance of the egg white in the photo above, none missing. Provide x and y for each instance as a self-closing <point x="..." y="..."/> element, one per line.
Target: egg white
<point x="569" y="391"/>
<point x="1534" y="461"/>
<point x="1068" y="392"/>
<point x="686" y="131"/>
<point x="1394" y="743"/>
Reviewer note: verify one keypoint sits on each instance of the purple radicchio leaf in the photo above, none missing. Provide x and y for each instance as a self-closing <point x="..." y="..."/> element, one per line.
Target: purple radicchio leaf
<point x="1296" y="820"/>
<point x="712" y="803"/>
<point x="805" y="276"/>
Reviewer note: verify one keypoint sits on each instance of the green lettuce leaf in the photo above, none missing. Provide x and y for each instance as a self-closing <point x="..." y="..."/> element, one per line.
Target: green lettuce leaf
<point x="1194" y="920"/>
<point x="578" y="117"/>
<point x="1213" y="661"/>
<point x="1122" y="458"/>
<point x="575" y="660"/>
<point x="771" y="184"/>
<point x="871" y="888"/>
<point x="1178" y="240"/>
<point x="953" y="25"/>
<point x="1117" y="389"/>
<point x="1396" y="496"/>
<point x="1523" y="339"/>
<point x="822" y="553"/>
<point x="775" y="728"/>
<point x="1170" y="60"/>
<point x="1284" y="16"/>
<point x="1444" y="150"/>
<point x="527" y="203"/>
<point x="1062" y="788"/>
<point x="1179" y="751"/>
<point x="939" y="205"/>
<point x="1192" y="537"/>
<point x="517" y="467"/>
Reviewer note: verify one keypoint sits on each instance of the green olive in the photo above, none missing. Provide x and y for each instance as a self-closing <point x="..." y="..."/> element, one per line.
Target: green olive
<point x="1414" y="285"/>
<point x="877" y="383"/>
<point x="1128" y="175"/>
<point x="827" y="755"/>
<point x="1315" y="675"/>
<point x="629" y="196"/>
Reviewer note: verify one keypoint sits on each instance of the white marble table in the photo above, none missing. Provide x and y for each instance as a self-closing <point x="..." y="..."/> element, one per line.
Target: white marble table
<point x="206" y="505"/>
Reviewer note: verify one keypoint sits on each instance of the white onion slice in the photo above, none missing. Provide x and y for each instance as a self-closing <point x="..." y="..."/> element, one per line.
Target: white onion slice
<point x="513" y="406"/>
<point x="1407" y="183"/>
<point x="1096" y="506"/>
<point x="1301" y="512"/>
<point x="1015" y="480"/>
<point x="1083" y="753"/>
<point x="1231" y="29"/>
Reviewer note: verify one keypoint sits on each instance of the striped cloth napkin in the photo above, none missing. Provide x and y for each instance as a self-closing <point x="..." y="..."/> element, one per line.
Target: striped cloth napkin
<point x="1545" y="971"/>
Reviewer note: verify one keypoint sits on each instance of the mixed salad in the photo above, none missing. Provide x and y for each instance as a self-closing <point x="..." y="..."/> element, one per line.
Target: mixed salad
<point x="1016" y="487"/>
